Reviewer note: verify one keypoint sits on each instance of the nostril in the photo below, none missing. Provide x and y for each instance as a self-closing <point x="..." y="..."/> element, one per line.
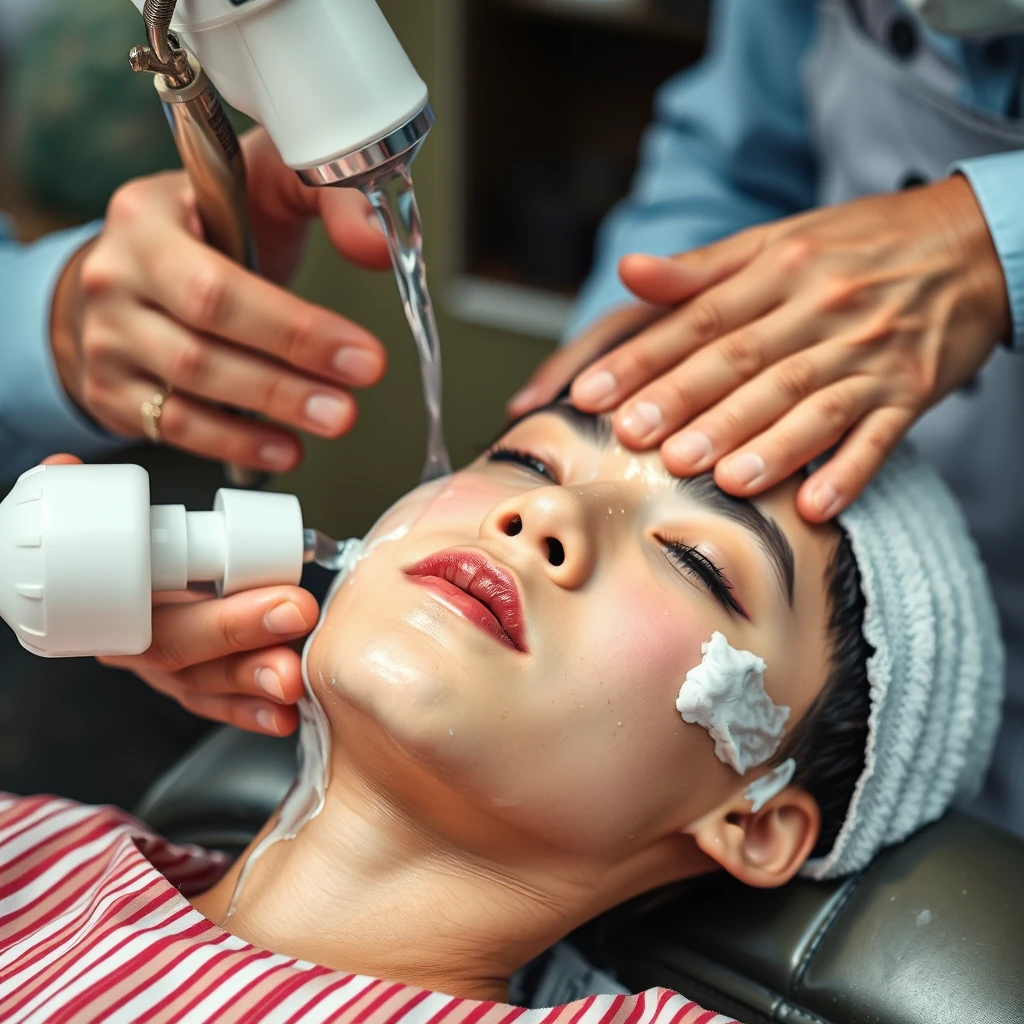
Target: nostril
<point x="556" y="553"/>
<point x="513" y="526"/>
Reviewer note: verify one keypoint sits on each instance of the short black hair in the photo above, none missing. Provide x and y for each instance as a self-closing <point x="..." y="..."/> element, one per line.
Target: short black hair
<point x="829" y="743"/>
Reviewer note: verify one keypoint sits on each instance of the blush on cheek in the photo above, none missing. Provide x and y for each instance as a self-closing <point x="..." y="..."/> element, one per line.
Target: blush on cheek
<point x="464" y="495"/>
<point x="645" y="647"/>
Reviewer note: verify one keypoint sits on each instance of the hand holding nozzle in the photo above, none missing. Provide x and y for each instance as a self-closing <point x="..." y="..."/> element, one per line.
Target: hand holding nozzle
<point x="82" y="551"/>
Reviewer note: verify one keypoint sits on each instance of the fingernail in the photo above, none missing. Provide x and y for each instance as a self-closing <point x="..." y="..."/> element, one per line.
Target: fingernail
<point x="277" y="456"/>
<point x="373" y="219"/>
<point x="595" y="388"/>
<point x="745" y="468"/>
<point x="643" y="419"/>
<point x="270" y="683"/>
<point x="690" y="447"/>
<point x="326" y="411"/>
<point x="265" y="720"/>
<point x="285" y="618"/>
<point x="357" y="365"/>
<point x="826" y="500"/>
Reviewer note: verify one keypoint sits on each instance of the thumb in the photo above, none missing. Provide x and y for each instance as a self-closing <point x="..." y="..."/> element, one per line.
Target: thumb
<point x="61" y="460"/>
<point x="670" y="280"/>
<point x="354" y="227"/>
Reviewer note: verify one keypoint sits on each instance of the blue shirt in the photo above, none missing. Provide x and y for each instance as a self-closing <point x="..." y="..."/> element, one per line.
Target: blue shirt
<point x="730" y="147"/>
<point x="36" y="416"/>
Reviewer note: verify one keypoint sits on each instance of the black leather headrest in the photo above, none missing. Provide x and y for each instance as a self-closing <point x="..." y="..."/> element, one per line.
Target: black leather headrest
<point x="932" y="932"/>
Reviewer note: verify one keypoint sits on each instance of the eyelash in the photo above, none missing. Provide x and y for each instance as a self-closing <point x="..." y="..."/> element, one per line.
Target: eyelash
<point x="685" y="557"/>
<point x="702" y="568"/>
<point x="501" y="453"/>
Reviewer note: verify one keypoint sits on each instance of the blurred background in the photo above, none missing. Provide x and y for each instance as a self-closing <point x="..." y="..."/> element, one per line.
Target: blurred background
<point x="540" y="107"/>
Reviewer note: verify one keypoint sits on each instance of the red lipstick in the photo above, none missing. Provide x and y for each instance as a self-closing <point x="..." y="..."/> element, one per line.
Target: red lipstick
<point x="478" y="590"/>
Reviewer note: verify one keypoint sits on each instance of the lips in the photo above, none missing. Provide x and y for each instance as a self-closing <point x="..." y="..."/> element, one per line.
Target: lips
<point x="476" y="589"/>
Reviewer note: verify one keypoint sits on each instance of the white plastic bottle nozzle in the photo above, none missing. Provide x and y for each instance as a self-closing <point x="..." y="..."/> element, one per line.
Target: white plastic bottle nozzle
<point x="82" y="550"/>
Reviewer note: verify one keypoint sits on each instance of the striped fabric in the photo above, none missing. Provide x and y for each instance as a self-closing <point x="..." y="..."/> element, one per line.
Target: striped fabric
<point x="94" y="926"/>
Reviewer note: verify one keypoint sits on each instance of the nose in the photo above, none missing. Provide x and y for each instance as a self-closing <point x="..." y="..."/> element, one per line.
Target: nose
<point x="549" y="524"/>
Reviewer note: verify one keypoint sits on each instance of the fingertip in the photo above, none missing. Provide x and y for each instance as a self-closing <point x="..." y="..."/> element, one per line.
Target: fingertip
<point x="655" y="278"/>
<point x="595" y="390"/>
<point x="273" y="720"/>
<point x="522" y="402"/>
<point x="819" y="500"/>
<point x="61" y="459"/>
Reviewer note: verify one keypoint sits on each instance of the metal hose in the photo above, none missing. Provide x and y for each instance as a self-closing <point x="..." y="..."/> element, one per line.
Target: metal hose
<point x="157" y="14"/>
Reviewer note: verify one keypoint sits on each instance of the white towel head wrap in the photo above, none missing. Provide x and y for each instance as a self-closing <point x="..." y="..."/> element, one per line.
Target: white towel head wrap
<point x="936" y="674"/>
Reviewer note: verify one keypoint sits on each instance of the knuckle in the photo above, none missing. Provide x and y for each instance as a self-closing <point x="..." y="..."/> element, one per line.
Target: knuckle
<point x="796" y="252"/>
<point x="127" y="205"/>
<point x="637" y="361"/>
<point x="190" y="701"/>
<point x="676" y="394"/>
<point x="795" y="379"/>
<point x="166" y="655"/>
<point x="189" y="364"/>
<point x="742" y="351"/>
<point x="270" y="395"/>
<point x="174" y="423"/>
<point x="730" y="425"/>
<point x="877" y="441"/>
<point x="704" y="320"/>
<point x="100" y="401"/>
<point x="99" y="272"/>
<point x="838" y="293"/>
<point x="834" y="409"/>
<point x="206" y="296"/>
<point x="297" y="339"/>
<point x="230" y="633"/>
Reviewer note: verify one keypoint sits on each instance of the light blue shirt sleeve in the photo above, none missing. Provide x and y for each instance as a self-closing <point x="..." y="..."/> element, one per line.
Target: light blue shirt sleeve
<point x="998" y="183"/>
<point x="729" y="147"/>
<point x="36" y="416"/>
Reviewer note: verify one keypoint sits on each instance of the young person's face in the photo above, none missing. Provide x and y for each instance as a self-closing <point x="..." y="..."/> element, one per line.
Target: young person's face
<point x="558" y="716"/>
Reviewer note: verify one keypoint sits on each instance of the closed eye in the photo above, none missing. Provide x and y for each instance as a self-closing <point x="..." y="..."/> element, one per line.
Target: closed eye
<point x="696" y="564"/>
<point x="500" y="453"/>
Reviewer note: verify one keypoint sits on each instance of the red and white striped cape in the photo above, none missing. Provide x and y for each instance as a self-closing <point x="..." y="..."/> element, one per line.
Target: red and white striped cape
<point x="94" y="926"/>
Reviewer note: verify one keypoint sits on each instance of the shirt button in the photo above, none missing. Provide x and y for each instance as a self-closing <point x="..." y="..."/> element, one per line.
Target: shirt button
<point x="902" y="37"/>
<point x="912" y="179"/>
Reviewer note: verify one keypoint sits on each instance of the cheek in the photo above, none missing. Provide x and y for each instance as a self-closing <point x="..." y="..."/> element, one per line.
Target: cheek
<point x="603" y="757"/>
<point x="466" y="497"/>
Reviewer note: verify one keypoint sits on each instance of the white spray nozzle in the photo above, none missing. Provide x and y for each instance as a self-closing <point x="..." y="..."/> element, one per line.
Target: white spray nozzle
<point x="82" y="550"/>
<point x="324" y="77"/>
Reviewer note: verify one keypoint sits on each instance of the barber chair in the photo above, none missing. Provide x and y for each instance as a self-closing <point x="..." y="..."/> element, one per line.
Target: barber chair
<point x="932" y="932"/>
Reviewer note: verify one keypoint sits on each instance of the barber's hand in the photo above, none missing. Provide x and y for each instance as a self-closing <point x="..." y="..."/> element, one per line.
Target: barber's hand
<point x="147" y="303"/>
<point x="226" y="659"/>
<point x="841" y="325"/>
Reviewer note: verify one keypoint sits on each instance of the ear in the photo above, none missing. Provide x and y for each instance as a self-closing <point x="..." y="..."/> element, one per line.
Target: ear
<point x="764" y="849"/>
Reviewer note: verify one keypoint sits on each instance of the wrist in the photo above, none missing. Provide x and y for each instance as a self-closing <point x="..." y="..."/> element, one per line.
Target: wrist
<point x="66" y="312"/>
<point x="978" y="258"/>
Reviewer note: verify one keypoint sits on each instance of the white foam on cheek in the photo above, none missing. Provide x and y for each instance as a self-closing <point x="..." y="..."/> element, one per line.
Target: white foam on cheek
<point x="770" y="785"/>
<point x="725" y="694"/>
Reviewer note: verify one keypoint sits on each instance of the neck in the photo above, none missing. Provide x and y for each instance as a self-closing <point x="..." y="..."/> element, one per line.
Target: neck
<point x="442" y="899"/>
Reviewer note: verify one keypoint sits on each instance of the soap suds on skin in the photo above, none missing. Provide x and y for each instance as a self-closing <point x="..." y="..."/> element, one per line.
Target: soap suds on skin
<point x="725" y="694"/>
<point x="770" y="785"/>
<point x="305" y="799"/>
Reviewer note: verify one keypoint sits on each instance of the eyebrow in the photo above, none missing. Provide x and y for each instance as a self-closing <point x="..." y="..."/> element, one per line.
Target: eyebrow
<point x="597" y="429"/>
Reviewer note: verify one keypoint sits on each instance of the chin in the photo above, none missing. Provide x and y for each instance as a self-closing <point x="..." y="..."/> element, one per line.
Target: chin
<point x="396" y="678"/>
